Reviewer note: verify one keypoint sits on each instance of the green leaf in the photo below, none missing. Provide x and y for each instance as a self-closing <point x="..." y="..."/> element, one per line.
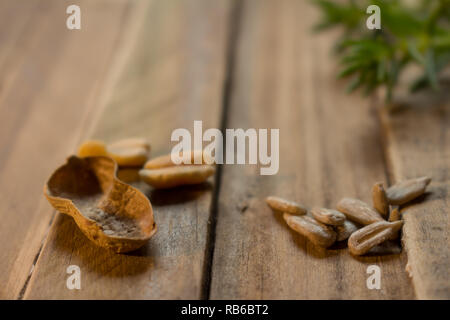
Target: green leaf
<point x="399" y="19"/>
<point x="419" y="84"/>
<point x="381" y="70"/>
<point x="441" y="41"/>
<point x="430" y="68"/>
<point x="334" y="13"/>
<point x="354" y="84"/>
<point x="410" y="34"/>
<point x="415" y="54"/>
<point x="351" y="69"/>
<point x="441" y="61"/>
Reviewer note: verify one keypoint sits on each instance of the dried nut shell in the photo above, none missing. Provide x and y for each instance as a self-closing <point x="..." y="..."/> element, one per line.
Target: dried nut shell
<point x="110" y="213"/>
<point x="92" y="148"/>
<point x="132" y="152"/>
<point x="328" y="216"/>
<point x="176" y="176"/>
<point x="395" y="214"/>
<point x="345" y="230"/>
<point x="358" y="211"/>
<point x="361" y="241"/>
<point x="318" y="233"/>
<point x="405" y="191"/>
<point x="197" y="157"/>
<point x="280" y="204"/>
<point x="379" y="199"/>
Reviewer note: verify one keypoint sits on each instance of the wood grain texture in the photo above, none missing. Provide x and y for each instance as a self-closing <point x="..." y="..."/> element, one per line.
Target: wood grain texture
<point x="144" y="68"/>
<point x="418" y="143"/>
<point x="173" y="76"/>
<point x="48" y="78"/>
<point x="284" y="77"/>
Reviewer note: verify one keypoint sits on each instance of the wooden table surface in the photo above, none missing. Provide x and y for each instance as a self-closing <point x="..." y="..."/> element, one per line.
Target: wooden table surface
<point x="145" y="68"/>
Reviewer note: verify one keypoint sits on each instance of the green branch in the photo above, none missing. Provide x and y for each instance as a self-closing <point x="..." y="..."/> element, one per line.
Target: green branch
<point x="409" y="35"/>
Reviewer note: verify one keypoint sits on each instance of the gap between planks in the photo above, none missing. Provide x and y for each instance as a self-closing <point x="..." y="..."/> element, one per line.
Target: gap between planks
<point x="165" y="279"/>
<point x="233" y="36"/>
<point x="285" y="78"/>
<point x="228" y="85"/>
<point x="132" y="18"/>
<point x="417" y="134"/>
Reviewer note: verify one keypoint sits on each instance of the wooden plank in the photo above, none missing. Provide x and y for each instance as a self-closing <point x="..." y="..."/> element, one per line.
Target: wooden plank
<point x="48" y="78"/>
<point x="417" y="135"/>
<point x="284" y="77"/>
<point x="173" y="76"/>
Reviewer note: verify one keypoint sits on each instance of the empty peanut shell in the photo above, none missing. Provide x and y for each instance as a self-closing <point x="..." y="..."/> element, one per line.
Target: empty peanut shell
<point x="110" y="213"/>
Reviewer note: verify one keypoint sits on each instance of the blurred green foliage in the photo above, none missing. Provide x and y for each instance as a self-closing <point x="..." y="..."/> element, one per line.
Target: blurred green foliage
<point x="417" y="34"/>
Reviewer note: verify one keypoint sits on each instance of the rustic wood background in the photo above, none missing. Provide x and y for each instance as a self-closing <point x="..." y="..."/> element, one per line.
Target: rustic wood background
<point x="144" y="68"/>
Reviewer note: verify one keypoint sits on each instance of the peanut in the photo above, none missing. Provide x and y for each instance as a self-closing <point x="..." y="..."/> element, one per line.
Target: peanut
<point x="92" y="148"/>
<point x="358" y="211"/>
<point x="345" y="230"/>
<point x="130" y="143"/>
<point x="128" y="175"/>
<point x="361" y="241"/>
<point x="328" y="216"/>
<point x="405" y="191"/>
<point x="127" y="152"/>
<point x="170" y="177"/>
<point x="318" y="233"/>
<point x="379" y="199"/>
<point x="280" y="204"/>
<point x="166" y="160"/>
